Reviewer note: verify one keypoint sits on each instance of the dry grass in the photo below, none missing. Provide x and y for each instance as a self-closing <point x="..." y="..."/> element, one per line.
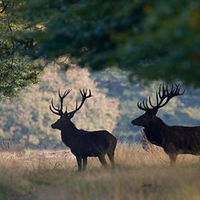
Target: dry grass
<point x="31" y="175"/>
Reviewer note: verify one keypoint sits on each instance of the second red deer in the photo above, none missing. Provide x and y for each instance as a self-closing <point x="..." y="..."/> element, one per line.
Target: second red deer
<point x="173" y="139"/>
<point x="83" y="143"/>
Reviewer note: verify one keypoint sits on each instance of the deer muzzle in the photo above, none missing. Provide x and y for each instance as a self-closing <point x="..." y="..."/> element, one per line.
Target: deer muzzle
<point x="135" y="122"/>
<point x="52" y="126"/>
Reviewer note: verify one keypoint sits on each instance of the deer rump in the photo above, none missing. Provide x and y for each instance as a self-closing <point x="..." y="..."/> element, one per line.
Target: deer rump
<point x="180" y="139"/>
<point x="91" y="144"/>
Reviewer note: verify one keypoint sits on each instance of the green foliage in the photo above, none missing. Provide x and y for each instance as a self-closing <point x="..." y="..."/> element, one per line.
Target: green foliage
<point x="17" y="71"/>
<point x="151" y="39"/>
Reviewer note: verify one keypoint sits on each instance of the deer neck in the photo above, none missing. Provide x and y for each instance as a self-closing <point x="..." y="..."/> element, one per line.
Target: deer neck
<point x="154" y="131"/>
<point x="69" y="133"/>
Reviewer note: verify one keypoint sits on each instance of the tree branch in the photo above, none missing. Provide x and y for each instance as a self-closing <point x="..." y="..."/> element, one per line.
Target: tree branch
<point x="5" y="5"/>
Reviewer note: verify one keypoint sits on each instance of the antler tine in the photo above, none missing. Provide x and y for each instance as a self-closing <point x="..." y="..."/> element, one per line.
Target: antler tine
<point x="64" y="94"/>
<point x="84" y="97"/>
<point x="76" y="104"/>
<point x="139" y="105"/>
<point x="59" y="109"/>
<point x="146" y="103"/>
<point x="163" y="94"/>
<point x="151" y="102"/>
<point x="53" y="108"/>
<point x="84" y="93"/>
<point x="177" y="89"/>
<point x="143" y="105"/>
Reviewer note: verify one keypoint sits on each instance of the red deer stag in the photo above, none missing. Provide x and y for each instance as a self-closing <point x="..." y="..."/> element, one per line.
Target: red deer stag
<point x="83" y="143"/>
<point x="173" y="139"/>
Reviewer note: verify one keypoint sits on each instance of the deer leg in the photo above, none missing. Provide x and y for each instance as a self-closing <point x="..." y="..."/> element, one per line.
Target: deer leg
<point x="111" y="158"/>
<point x="84" y="163"/>
<point x="79" y="162"/>
<point x="172" y="158"/>
<point x="103" y="160"/>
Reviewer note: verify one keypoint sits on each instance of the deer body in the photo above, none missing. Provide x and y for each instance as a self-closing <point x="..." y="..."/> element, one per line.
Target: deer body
<point x="83" y="143"/>
<point x="173" y="139"/>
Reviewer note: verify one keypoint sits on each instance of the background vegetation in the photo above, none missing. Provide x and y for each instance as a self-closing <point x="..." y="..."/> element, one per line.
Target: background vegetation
<point x="118" y="49"/>
<point x="26" y="121"/>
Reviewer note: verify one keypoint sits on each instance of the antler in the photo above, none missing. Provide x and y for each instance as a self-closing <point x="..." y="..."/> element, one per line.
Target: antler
<point x="59" y="110"/>
<point x="162" y="97"/>
<point x="84" y="97"/>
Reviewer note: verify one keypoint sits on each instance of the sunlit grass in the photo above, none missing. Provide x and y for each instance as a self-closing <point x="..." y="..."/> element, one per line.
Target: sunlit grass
<point x="31" y="175"/>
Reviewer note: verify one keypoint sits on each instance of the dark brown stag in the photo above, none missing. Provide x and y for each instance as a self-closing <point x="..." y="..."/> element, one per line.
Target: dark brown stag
<point x="82" y="143"/>
<point x="173" y="139"/>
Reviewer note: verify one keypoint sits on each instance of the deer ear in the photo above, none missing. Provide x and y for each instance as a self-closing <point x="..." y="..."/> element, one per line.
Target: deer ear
<point x="67" y="115"/>
<point x="70" y="115"/>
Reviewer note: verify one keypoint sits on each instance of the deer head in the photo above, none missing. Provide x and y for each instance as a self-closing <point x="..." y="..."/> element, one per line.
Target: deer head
<point x="66" y="116"/>
<point x="163" y="96"/>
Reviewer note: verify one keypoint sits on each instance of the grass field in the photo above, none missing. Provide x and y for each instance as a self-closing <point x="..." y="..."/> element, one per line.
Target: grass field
<point x="138" y="175"/>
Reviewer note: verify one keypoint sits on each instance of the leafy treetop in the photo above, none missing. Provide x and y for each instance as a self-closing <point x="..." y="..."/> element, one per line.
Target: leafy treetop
<point x="150" y="39"/>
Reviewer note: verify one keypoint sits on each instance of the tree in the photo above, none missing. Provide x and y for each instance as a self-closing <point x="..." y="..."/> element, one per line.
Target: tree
<point x="17" y="71"/>
<point x="150" y="39"/>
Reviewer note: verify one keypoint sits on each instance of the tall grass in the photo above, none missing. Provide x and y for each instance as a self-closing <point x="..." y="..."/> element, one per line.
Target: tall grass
<point x="31" y="175"/>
